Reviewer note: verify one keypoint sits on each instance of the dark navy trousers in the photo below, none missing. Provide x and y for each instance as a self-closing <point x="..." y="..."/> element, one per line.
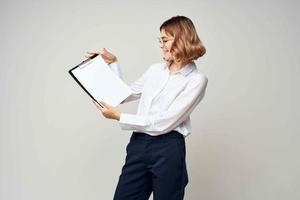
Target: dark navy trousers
<point x="153" y="164"/>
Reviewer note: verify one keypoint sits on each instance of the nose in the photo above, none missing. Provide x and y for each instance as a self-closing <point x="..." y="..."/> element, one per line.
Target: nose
<point x="161" y="45"/>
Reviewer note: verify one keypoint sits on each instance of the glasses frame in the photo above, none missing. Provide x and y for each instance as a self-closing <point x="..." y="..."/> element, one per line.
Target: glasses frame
<point x="164" y="41"/>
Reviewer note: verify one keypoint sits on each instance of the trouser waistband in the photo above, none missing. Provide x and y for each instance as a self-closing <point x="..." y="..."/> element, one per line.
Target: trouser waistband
<point x="145" y="136"/>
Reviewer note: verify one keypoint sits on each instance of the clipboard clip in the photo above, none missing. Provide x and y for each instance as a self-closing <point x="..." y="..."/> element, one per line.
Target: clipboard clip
<point x="81" y="66"/>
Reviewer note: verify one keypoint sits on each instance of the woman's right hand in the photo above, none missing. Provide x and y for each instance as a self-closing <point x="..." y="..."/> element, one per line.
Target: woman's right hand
<point x="106" y="55"/>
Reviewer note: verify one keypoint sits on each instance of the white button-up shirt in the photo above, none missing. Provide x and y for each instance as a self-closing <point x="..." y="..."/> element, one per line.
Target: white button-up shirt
<point x="166" y="99"/>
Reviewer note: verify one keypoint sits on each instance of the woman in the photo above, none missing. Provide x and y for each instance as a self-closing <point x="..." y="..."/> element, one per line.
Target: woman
<point x="168" y="93"/>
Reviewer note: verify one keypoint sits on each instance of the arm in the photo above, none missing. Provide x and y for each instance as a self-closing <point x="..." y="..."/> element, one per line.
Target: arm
<point x="178" y="111"/>
<point x="116" y="69"/>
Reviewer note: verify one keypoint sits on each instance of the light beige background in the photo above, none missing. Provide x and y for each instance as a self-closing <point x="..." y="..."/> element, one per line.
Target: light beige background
<point x="55" y="144"/>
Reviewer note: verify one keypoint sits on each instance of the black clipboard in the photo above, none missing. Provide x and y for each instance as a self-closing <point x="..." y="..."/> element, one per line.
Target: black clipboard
<point x="74" y="77"/>
<point x="99" y="81"/>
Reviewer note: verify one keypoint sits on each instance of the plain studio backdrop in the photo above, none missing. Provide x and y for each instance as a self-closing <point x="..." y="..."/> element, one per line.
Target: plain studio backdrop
<point x="55" y="143"/>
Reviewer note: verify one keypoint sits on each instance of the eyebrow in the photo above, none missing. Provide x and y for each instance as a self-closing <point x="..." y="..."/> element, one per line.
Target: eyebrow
<point x="163" y="37"/>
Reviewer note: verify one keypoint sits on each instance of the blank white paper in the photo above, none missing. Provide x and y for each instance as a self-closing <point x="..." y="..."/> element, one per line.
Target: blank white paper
<point x="101" y="82"/>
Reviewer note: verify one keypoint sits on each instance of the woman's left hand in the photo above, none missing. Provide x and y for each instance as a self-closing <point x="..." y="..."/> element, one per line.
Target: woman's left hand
<point x="108" y="111"/>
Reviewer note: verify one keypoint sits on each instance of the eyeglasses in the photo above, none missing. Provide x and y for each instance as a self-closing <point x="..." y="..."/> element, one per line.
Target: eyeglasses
<point x="163" y="40"/>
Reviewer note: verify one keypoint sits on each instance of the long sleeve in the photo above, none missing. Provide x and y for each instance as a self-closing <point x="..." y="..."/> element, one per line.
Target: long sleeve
<point x="167" y="120"/>
<point x="136" y="86"/>
<point x="116" y="69"/>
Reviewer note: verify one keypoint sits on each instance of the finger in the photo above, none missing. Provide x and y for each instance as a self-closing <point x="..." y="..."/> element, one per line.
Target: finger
<point x="103" y="107"/>
<point x="106" y="52"/>
<point x="105" y="104"/>
<point x="93" y="52"/>
<point x="98" y="106"/>
<point x="105" y="56"/>
<point x="88" y="55"/>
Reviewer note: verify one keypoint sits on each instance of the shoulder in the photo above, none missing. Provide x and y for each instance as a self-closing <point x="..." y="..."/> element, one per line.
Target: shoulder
<point x="198" y="76"/>
<point x="197" y="79"/>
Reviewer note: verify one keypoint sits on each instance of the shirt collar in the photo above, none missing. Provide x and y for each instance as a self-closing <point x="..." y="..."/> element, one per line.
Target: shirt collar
<point x="188" y="68"/>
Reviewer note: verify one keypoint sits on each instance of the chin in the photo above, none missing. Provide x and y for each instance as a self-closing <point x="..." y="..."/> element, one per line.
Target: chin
<point x="166" y="58"/>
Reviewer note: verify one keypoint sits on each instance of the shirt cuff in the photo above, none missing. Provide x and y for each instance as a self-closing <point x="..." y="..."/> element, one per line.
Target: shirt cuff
<point x="132" y="122"/>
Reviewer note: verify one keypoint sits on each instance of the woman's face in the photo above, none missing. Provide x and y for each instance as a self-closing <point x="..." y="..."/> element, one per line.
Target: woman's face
<point x="165" y="44"/>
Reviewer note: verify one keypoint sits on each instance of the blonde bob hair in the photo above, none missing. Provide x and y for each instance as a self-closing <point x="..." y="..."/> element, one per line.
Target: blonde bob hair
<point x="186" y="46"/>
